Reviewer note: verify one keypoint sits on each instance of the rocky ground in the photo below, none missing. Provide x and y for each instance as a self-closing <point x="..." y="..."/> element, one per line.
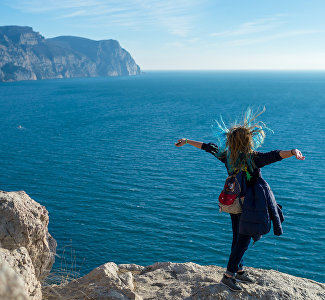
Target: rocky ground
<point x="176" y="281"/>
<point x="27" y="253"/>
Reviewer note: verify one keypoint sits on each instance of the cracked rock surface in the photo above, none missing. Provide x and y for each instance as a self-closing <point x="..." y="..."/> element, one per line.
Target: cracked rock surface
<point x="25" y="242"/>
<point x="27" y="255"/>
<point x="175" y="281"/>
<point x="11" y="285"/>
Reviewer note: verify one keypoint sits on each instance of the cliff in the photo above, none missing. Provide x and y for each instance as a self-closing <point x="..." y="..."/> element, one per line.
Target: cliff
<point x="26" y="247"/>
<point x="26" y="55"/>
<point x="27" y="253"/>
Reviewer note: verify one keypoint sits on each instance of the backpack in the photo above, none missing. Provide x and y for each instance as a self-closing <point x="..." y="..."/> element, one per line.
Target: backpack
<point x="230" y="199"/>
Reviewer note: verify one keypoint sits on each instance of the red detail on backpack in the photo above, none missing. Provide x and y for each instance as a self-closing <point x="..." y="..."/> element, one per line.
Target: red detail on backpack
<point x="231" y="191"/>
<point x="227" y="199"/>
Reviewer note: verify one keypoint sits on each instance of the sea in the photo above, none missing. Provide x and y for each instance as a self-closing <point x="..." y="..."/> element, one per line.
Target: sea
<point x="99" y="154"/>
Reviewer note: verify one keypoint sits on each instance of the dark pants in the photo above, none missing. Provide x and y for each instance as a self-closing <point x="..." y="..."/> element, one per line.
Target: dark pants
<point x="240" y="243"/>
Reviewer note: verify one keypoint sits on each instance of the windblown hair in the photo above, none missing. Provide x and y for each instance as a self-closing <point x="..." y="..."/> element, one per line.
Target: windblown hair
<point x="239" y="142"/>
<point x="241" y="139"/>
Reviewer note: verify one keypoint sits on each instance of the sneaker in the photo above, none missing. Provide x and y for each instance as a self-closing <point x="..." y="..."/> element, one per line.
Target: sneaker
<point x="243" y="278"/>
<point x="230" y="282"/>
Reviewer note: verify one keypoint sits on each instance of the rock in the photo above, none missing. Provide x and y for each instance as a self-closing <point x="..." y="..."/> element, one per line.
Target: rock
<point x="11" y="285"/>
<point x="104" y="282"/>
<point x="24" y="223"/>
<point x="177" y="281"/>
<point x="25" y="241"/>
<point x="26" y="55"/>
<point x="27" y="254"/>
<point x="21" y="263"/>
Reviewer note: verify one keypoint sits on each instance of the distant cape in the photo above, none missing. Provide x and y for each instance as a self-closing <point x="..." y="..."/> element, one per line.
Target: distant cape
<point x="27" y="55"/>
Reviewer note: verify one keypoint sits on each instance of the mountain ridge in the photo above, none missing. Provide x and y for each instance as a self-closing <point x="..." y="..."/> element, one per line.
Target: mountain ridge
<point x="27" y="55"/>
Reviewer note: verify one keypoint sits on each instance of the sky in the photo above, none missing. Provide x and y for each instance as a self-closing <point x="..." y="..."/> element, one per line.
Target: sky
<point x="188" y="34"/>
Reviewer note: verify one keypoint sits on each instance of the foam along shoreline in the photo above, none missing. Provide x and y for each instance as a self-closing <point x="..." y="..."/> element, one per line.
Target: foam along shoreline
<point x="27" y="256"/>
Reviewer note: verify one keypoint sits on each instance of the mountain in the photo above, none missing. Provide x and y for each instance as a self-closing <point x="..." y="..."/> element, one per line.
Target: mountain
<point x="27" y="55"/>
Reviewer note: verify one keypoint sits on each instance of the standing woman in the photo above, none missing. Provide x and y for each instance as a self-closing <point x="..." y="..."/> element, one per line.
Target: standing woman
<point x="236" y="148"/>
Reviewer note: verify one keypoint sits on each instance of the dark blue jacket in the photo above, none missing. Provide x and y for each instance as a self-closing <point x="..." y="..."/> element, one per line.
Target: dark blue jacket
<point x="260" y="207"/>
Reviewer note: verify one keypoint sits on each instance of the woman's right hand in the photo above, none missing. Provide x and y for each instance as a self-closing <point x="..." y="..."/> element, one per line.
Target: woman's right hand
<point x="180" y="143"/>
<point x="297" y="154"/>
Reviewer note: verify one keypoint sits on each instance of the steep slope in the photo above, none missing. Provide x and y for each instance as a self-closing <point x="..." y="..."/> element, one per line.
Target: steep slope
<point x="26" y="55"/>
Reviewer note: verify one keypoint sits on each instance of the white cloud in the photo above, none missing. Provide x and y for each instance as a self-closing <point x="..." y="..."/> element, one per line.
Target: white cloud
<point x="175" y="17"/>
<point x="256" y="26"/>
<point x="38" y="6"/>
<point x="259" y="31"/>
<point x="183" y="43"/>
<point x="74" y="14"/>
<point x="263" y="39"/>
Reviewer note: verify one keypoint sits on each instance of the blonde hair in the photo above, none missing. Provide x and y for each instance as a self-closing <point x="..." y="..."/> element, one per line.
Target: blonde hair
<point x="242" y="140"/>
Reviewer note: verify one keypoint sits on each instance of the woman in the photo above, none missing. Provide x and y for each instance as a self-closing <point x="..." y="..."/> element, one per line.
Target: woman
<point x="236" y="148"/>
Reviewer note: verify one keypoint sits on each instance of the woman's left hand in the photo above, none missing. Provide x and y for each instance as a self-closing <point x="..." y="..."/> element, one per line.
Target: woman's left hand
<point x="180" y="143"/>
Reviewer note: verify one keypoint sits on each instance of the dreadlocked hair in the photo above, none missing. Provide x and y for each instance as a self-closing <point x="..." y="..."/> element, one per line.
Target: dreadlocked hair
<point x="241" y="141"/>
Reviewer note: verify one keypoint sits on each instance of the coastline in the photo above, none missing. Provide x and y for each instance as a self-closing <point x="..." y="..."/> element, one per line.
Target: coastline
<point x="27" y="255"/>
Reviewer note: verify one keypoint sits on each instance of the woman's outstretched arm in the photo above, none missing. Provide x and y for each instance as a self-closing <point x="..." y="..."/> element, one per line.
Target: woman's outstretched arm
<point x="182" y="142"/>
<point x="293" y="152"/>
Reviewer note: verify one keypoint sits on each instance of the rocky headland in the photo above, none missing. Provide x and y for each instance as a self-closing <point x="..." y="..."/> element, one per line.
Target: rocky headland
<point x="27" y="55"/>
<point x="27" y="252"/>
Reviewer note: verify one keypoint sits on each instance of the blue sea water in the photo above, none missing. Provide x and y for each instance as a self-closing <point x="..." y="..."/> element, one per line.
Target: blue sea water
<point x="99" y="154"/>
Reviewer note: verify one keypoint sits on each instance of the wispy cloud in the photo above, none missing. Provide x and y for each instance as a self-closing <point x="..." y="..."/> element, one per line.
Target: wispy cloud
<point x="272" y="37"/>
<point x="257" y="26"/>
<point x="183" y="43"/>
<point x="175" y="17"/>
<point x="38" y="6"/>
<point x="259" y="31"/>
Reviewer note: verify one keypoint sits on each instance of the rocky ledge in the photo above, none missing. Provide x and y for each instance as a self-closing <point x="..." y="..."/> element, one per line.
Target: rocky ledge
<point x="27" y="255"/>
<point x="181" y="281"/>
<point x="26" y="247"/>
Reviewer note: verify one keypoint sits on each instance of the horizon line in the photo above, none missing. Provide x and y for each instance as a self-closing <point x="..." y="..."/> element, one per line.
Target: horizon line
<point x="254" y="70"/>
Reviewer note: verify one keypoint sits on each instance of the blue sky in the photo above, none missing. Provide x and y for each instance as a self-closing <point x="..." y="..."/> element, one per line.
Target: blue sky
<point x="188" y="34"/>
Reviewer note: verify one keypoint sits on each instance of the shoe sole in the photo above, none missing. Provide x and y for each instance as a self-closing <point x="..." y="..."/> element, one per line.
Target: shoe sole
<point x="230" y="287"/>
<point x="243" y="281"/>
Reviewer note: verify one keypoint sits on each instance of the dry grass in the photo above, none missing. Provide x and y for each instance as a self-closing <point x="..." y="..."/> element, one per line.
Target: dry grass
<point x="62" y="275"/>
